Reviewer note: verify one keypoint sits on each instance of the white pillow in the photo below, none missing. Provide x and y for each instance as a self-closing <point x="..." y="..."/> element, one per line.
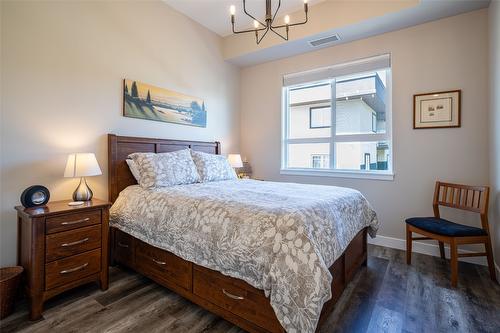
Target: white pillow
<point x="165" y="169"/>
<point x="212" y="167"/>
<point x="133" y="169"/>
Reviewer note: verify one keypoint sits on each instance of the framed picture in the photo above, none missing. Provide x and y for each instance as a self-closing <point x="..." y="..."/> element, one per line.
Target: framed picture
<point x="144" y="101"/>
<point x="437" y="110"/>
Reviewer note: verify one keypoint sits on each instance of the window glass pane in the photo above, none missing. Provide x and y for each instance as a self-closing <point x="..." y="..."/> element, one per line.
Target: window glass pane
<point x="309" y="111"/>
<point x="362" y="155"/>
<point x="360" y="103"/>
<point x="320" y="117"/>
<point x="309" y="155"/>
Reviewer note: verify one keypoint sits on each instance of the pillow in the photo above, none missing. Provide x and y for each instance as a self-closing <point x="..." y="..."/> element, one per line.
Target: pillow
<point x="165" y="169"/>
<point x="212" y="167"/>
<point x="133" y="169"/>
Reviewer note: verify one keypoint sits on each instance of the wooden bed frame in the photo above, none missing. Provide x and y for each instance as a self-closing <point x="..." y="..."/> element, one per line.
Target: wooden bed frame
<point x="233" y="299"/>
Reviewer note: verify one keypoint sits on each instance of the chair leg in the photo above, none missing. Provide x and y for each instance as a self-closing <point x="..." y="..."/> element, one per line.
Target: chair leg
<point x="489" y="256"/>
<point x="441" y="250"/>
<point x="408" y="245"/>
<point x="454" y="263"/>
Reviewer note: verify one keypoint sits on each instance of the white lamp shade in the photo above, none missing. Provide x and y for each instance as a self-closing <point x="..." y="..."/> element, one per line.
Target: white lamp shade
<point x="235" y="160"/>
<point x="82" y="165"/>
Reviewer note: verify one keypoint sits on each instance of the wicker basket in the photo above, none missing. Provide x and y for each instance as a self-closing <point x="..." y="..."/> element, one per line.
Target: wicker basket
<point x="9" y="283"/>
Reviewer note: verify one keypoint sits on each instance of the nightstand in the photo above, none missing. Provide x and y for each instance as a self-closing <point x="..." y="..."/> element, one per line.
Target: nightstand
<point x="62" y="247"/>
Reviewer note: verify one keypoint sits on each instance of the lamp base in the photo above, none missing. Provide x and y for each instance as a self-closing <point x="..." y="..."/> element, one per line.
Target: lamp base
<point x="83" y="191"/>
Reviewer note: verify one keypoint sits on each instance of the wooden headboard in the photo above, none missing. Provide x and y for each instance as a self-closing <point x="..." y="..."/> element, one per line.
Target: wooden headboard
<point x="119" y="147"/>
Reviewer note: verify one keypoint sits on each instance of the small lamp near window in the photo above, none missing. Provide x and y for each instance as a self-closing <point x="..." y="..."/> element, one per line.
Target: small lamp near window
<point x="235" y="161"/>
<point x="82" y="165"/>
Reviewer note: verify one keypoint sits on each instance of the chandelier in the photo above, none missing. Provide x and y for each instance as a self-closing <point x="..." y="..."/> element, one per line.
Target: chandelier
<point x="261" y="28"/>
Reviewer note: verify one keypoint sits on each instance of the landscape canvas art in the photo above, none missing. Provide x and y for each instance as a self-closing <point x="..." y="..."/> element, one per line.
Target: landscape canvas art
<point x="145" y="101"/>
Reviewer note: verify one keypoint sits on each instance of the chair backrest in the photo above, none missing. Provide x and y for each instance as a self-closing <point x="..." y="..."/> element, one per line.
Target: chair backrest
<point x="465" y="197"/>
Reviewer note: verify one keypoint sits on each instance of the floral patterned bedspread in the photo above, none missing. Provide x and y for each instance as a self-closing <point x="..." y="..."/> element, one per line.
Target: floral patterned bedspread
<point x="278" y="237"/>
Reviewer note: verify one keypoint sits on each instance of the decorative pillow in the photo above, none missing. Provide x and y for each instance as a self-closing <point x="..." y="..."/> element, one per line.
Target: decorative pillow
<point x="212" y="167"/>
<point x="165" y="169"/>
<point x="133" y="169"/>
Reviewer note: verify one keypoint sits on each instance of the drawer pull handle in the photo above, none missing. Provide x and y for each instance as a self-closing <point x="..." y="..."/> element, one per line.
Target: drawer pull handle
<point x="71" y="270"/>
<point x="159" y="262"/>
<point x="75" y="243"/>
<point x="120" y="244"/>
<point x="76" y="222"/>
<point x="228" y="294"/>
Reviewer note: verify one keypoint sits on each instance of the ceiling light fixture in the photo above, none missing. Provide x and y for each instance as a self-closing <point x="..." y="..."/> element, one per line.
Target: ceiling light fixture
<point x="263" y="28"/>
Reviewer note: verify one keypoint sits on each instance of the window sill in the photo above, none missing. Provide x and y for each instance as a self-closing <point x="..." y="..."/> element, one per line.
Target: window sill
<point x="339" y="174"/>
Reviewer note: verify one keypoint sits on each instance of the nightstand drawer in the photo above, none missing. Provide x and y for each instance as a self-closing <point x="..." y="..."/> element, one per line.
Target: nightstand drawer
<point x="68" y="243"/>
<point x="72" y="221"/>
<point x="65" y="270"/>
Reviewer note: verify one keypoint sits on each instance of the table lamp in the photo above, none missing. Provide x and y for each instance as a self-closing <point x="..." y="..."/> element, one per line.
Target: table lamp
<point x="235" y="161"/>
<point x="82" y="165"/>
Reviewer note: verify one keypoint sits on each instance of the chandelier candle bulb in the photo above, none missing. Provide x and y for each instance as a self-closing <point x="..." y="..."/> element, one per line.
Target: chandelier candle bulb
<point x="232" y="10"/>
<point x="255" y="24"/>
<point x="287" y="19"/>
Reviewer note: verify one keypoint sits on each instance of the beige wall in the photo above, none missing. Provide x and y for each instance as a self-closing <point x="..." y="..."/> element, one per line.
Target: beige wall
<point x="494" y="30"/>
<point x="442" y="55"/>
<point x="62" y="69"/>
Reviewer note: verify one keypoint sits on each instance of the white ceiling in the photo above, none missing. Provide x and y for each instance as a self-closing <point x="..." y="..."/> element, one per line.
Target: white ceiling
<point x="426" y="11"/>
<point x="214" y="14"/>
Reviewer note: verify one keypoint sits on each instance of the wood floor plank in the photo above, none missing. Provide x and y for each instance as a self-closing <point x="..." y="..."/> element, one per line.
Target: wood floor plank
<point x="385" y="296"/>
<point x="385" y="320"/>
<point x="122" y="288"/>
<point x="354" y="308"/>
<point x="99" y="321"/>
<point x="420" y="311"/>
<point x="66" y="316"/>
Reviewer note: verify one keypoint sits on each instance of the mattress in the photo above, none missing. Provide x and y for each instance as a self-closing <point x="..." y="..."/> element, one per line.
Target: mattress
<point x="278" y="237"/>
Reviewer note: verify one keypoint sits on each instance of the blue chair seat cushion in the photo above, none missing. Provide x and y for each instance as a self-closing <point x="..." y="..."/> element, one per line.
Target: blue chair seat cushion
<point x="444" y="227"/>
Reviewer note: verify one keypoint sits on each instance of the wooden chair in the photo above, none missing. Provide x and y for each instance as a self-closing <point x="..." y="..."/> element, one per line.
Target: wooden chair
<point x="470" y="198"/>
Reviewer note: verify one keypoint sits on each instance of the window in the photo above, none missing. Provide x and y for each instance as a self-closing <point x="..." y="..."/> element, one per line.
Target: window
<point x="337" y="120"/>
<point x="374" y="122"/>
<point x="367" y="162"/>
<point x="319" y="117"/>
<point x="320" y="161"/>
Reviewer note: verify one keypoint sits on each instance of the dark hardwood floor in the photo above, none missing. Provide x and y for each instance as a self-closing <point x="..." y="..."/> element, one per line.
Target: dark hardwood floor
<point x="386" y="296"/>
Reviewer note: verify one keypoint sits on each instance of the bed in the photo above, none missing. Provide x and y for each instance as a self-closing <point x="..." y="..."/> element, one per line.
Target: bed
<point x="265" y="256"/>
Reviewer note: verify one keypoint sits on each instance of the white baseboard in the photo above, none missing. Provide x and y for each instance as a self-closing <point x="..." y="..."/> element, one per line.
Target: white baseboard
<point x="426" y="248"/>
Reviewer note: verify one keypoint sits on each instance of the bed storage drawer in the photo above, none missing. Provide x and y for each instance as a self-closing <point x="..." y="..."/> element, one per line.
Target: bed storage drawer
<point x="123" y="248"/>
<point x="163" y="265"/>
<point x="338" y="282"/>
<point x="355" y="254"/>
<point x="235" y="296"/>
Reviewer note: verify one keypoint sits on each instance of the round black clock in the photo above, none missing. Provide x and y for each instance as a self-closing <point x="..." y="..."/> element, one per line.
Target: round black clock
<point x="36" y="195"/>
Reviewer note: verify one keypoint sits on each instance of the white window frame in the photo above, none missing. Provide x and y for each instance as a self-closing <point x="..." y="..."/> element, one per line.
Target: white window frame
<point x="333" y="139"/>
